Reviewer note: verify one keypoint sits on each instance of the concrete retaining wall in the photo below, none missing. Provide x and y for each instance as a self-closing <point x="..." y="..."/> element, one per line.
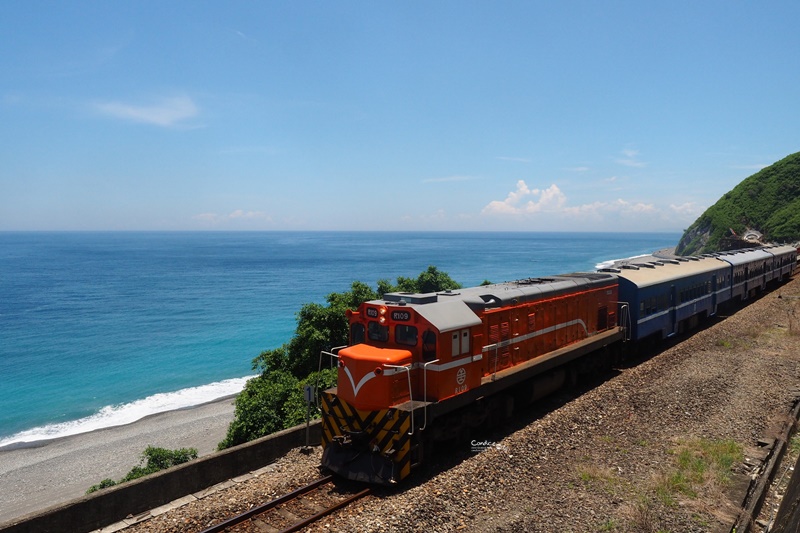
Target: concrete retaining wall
<point x="113" y="504"/>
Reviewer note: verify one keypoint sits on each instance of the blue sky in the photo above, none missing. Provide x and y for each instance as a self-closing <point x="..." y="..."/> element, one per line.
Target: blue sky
<point x="342" y="115"/>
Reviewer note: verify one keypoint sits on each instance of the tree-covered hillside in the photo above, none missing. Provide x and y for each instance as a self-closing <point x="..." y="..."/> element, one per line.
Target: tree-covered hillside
<point x="768" y="201"/>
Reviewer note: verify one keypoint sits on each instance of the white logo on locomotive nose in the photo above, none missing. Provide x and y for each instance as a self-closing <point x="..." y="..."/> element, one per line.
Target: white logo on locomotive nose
<point x="461" y="377"/>
<point x="368" y="376"/>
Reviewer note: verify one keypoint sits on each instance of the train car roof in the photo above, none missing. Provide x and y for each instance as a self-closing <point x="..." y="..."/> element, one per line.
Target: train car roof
<point x="781" y="249"/>
<point x="448" y="316"/>
<point x="740" y="258"/>
<point x="655" y="272"/>
<point x="459" y="308"/>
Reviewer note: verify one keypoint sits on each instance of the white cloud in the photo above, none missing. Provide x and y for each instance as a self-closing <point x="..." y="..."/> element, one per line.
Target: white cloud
<point x="239" y="213"/>
<point x="624" y="206"/>
<point x="617" y="207"/>
<point x="687" y="210"/>
<point x="585" y="210"/>
<point x="550" y="208"/>
<point x="210" y="218"/>
<point x="166" y="112"/>
<point x="550" y="199"/>
<point x="215" y="219"/>
<point x="630" y="159"/>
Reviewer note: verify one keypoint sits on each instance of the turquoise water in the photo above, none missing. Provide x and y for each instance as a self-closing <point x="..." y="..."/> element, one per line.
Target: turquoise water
<point x="99" y="329"/>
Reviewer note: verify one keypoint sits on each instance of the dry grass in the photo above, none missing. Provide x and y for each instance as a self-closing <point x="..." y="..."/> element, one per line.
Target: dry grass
<point x="642" y="516"/>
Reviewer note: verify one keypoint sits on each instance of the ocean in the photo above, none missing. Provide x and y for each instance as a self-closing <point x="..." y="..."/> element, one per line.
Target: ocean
<point x="99" y="329"/>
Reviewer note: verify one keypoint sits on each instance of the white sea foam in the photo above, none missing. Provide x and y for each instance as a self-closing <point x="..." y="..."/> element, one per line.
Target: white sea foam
<point x="118" y="415"/>
<point x="610" y="262"/>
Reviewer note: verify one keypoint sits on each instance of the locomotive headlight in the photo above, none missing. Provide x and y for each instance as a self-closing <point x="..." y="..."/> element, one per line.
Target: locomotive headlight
<point x="382" y="310"/>
<point x="382" y="320"/>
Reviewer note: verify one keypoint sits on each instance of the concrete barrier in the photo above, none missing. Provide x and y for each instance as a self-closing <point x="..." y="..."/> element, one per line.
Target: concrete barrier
<point x="113" y="504"/>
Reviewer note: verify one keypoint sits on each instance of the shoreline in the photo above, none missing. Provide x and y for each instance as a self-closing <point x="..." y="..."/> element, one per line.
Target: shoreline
<point x="40" y="474"/>
<point x="38" y="443"/>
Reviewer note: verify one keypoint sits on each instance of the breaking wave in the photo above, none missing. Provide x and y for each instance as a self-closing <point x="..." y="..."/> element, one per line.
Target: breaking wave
<point x="118" y="415"/>
<point x="610" y="262"/>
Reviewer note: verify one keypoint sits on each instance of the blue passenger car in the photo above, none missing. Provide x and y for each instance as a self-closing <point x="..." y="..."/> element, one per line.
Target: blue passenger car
<point x="785" y="261"/>
<point x="749" y="270"/>
<point x="663" y="297"/>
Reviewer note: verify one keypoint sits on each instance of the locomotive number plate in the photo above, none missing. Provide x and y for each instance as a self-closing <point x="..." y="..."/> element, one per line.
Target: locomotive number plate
<point x="401" y="316"/>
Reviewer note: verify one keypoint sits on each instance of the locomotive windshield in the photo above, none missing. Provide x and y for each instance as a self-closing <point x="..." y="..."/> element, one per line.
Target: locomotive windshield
<point x="377" y="332"/>
<point x="405" y="335"/>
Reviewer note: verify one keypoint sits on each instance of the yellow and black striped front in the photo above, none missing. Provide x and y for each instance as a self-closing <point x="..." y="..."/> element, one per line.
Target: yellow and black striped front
<point x="371" y="446"/>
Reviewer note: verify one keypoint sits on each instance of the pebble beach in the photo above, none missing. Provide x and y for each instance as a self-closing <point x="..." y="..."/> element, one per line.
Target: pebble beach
<point x="35" y="476"/>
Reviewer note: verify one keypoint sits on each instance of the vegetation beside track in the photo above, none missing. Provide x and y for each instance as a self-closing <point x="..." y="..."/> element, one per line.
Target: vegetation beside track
<point x="153" y="460"/>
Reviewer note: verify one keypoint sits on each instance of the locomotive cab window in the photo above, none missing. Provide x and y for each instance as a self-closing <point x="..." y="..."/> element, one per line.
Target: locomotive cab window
<point x="377" y="332"/>
<point x="357" y="333"/>
<point x="429" y="345"/>
<point x="405" y="335"/>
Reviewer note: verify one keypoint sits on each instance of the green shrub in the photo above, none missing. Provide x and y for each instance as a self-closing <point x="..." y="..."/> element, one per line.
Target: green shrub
<point x="108" y="482"/>
<point x="271" y="402"/>
<point x="153" y="460"/>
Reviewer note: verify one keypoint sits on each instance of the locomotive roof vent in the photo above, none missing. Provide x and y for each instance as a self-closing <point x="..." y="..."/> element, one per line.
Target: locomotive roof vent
<point x="647" y="265"/>
<point x="411" y="298"/>
<point x="448" y="292"/>
<point x="629" y="267"/>
<point x="616" y="270"/>
<point x="670" y="261"/>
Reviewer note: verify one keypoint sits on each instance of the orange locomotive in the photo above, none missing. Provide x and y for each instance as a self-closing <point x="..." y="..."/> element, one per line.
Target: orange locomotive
<point x="422" y="368"/>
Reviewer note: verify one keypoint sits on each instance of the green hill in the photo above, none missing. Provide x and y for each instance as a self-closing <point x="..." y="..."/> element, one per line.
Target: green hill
<point x="768" y="202"/>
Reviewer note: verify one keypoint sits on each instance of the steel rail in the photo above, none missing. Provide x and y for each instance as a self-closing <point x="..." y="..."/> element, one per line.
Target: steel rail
<point x="303" y="523"/>
<point x="238" y="519"/>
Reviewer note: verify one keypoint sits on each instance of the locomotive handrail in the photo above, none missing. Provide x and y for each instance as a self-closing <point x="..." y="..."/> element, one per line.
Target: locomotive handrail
<point x="319" y="368"/>
<point x="410" y="394"/>
<point x="425" y="391"/>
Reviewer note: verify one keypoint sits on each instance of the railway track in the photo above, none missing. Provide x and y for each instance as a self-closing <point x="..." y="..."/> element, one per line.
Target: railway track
<point x="293" y="511"/>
